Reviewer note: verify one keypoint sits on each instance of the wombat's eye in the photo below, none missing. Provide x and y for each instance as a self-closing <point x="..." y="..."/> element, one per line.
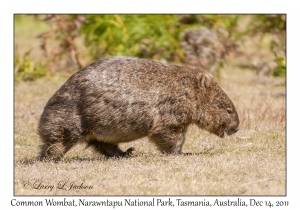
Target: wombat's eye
<point x="229" y="110"/>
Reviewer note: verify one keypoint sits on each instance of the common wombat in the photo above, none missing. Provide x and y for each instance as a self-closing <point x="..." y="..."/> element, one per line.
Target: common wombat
<point x="122" y="99"/>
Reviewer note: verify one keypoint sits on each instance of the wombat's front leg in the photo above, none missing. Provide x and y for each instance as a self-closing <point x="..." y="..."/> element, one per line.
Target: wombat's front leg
<point x="169" y="143"/>
<point x="109" y="150"/>
<point x="53" y="151"/>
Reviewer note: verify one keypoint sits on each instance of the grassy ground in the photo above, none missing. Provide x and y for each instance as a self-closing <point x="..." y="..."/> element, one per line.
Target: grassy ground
<point x="252" y="162"/>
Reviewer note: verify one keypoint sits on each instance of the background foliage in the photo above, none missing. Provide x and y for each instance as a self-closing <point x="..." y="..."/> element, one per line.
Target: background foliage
<point x="150" y="36"/>
<point x="66" y="43"/>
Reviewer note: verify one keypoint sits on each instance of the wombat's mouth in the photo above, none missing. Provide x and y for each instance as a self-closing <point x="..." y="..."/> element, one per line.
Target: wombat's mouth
<point x="228" y="131"/>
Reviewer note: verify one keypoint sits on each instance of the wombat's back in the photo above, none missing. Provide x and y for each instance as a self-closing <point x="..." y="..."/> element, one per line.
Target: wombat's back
<point x="136" y="74"/>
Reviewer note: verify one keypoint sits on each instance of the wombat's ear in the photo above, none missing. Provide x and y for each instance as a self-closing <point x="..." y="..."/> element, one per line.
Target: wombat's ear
<point x="206" y="80"/>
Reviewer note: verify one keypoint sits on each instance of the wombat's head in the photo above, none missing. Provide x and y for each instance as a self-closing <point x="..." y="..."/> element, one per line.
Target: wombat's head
<point x="218" y="115"/>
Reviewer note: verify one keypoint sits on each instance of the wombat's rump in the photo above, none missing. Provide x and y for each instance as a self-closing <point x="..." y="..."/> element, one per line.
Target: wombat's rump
<point x="122" y="99"/>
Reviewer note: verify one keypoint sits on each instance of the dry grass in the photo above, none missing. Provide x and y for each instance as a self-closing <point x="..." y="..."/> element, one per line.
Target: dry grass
<point x="252" y="162"/>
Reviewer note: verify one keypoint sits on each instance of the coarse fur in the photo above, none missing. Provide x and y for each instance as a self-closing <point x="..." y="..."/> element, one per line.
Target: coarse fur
<point x="121" y="99"/>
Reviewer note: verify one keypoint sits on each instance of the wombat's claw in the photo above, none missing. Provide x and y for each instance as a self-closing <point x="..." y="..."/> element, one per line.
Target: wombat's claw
<point x="187" y="153"/>
<point x="129" y="151"/>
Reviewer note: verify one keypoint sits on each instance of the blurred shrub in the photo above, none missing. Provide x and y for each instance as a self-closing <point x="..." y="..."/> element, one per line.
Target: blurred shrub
<point x="204" y="51"/>
<point x="280" y="70"/>
<point x="27" y="70"/>
<point x="148" y="36"/>
<point x="156" y="37"/>
<point x="274" y="24"/>
<point x="59" y="43"/>
<point x="271" y="23"/>
<point x="226" y="22"/>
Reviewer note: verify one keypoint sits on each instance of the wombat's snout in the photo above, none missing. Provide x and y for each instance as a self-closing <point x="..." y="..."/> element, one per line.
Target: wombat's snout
<point x="233" y="130"/>
<point x="236" y="129"/>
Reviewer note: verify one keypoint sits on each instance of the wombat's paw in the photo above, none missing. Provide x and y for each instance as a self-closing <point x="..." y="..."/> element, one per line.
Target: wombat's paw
<point x="49" y="159"/>
<point x="187" y="153"/>
<point x="129" y="151"/>
<point x="46" y="157"/>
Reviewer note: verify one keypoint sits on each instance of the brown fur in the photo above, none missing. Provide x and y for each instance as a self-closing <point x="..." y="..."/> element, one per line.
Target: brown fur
<point x="122" y="99"/>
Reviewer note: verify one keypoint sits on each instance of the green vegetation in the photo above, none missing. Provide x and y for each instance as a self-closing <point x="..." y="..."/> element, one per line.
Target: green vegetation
<point x="28" y="70"/>
<point x="149" y="36"/>
<point x="66" y="43"/>
<point x="280" y="70"/>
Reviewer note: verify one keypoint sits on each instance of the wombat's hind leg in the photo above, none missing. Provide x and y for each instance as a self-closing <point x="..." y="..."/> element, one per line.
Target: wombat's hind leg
<point x="109" y="150"/>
